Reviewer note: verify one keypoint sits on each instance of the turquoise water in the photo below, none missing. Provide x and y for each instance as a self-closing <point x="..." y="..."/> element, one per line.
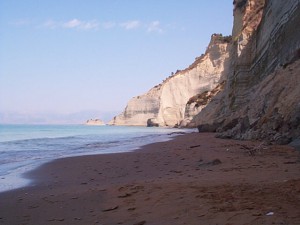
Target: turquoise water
<point x="24" y="147"/>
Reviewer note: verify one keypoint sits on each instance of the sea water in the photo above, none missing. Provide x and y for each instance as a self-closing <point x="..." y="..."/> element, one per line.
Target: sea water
<point x="24" y="147"/>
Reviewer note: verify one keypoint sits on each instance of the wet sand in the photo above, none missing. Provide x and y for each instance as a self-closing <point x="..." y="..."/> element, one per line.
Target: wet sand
<point x="193" y="179"/>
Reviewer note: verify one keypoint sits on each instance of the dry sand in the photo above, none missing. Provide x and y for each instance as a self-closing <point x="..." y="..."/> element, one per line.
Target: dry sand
<point x="194" y="179"/>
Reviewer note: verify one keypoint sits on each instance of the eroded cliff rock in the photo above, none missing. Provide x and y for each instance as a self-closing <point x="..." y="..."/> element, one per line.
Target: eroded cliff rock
<point x="248" y="89"/>
<point x="198" y="102"/>
<point x="273" y="109"/>
<point x="140" y="109"/>
<point x="262" y="95"/>
<point x="165" y="104"/>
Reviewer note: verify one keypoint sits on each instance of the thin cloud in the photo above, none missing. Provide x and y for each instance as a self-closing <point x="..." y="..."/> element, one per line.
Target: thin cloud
<point x="154" y="27"/>
<point x="108" y="25"/>
<point x="77" y="24"/>
<point x="82" y="25"/>
<point x="91" y="25"/>
<point x="129" y="25"/>
<point x="50" y="24"/>
<point x="72" y="23"/>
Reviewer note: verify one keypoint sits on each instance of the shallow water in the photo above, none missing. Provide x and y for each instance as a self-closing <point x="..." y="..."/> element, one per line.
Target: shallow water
<point x="24" y="147"/>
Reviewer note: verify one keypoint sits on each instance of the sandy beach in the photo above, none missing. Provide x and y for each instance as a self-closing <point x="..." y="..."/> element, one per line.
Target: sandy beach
<point x="193" y="179"/>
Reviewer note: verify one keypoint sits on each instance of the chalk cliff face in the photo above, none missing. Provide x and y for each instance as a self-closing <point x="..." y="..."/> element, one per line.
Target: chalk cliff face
<point x="246" y="89"/>
<point x="140" y="109"/>
<point x="261" y="99"/>
<point x="165" y="104"/>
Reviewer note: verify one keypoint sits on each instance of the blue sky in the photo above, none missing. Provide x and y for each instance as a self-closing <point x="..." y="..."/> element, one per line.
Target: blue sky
<point x="89" y="57"/>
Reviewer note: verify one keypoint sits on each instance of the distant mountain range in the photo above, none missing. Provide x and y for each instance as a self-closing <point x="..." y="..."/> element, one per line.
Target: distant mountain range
<point x="53" y="118"/>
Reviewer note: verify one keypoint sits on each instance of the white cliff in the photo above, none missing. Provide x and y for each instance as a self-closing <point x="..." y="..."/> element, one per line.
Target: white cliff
<point x="139" y="109"/>
<point x="165" y="104"/>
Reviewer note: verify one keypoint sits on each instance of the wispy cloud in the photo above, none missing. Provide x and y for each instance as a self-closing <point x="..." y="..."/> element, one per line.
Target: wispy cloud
<point x="83" y="25"/>
<point x="154" y="27"/>
<point x="129" y="25"/>
<point x="91" y="25"/>
<point x="50" y="24"/>
<point x="109" y="25"/>
<point x="72" y="24"/>
<point x="77" y="24"/>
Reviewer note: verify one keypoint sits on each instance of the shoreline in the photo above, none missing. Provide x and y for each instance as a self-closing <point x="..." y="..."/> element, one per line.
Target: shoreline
<point x="96" y="141"/>
<point x="192" y="179"/>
